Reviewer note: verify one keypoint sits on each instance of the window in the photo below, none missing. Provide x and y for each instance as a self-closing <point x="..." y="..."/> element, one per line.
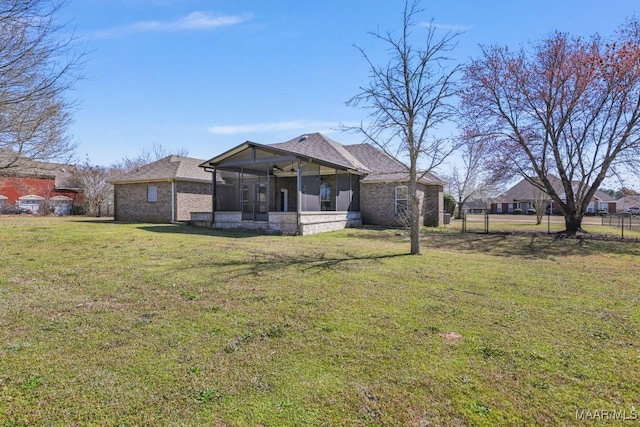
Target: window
<point x="152" y="193"/>
<point x="325" y="196"/>
<point x="401" y="203"/>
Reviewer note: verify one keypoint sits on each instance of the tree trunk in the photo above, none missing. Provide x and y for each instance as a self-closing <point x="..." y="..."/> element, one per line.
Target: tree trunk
<point x="415" y="209"/>
<point x="459" y="212"/>
<point x="573" y="224"/>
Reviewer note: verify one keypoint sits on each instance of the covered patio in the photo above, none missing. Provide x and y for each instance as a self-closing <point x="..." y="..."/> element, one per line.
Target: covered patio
<point x="262" y="187"/>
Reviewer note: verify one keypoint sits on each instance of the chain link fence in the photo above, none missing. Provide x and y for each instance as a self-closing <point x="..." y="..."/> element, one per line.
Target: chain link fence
<point x="485" y="223"/>
<point x="623" y="221"/>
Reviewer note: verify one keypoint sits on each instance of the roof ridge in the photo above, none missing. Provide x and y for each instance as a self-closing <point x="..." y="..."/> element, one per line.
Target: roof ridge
<point x="340" y="148"/>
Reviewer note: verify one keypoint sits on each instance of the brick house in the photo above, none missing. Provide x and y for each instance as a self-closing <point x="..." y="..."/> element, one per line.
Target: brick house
<point x="40" y="187"/>
<point x="312" y="184"/>
<point x="165" y="191"/>
<point x="521" y="196"/>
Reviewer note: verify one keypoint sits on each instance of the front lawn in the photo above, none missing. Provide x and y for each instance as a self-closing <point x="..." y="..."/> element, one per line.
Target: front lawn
<point x="138" y="324"/>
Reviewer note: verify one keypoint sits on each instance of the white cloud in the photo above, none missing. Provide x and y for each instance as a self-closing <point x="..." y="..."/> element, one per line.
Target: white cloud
<point x="294" y="125"/>
<point x="195" y="21"/>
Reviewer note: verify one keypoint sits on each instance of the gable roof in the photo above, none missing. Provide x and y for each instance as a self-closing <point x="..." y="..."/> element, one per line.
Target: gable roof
<point x="627" y="202"/>
<point x="374" y="164"/>
<point x="170" y="168"/>
<point x="320" y="147"/>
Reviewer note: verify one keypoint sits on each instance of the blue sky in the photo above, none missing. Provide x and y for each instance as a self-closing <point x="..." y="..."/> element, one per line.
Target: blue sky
<point x="206" y="75"/>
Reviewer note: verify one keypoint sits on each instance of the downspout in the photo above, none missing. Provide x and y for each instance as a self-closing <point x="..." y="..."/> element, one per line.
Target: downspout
<point x="214" y="196"/>
<point x="299" y="204"/>
<point x="173" y="201"/>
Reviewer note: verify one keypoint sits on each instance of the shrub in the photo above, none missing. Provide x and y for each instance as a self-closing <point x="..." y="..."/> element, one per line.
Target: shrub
<point x="449" y="204"/>
<point x="517" y="211"/>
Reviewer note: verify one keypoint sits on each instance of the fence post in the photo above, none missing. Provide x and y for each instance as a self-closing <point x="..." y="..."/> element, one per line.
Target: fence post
<point x="486" y="223"/>
<point x="464" y="222"/>
<point x="622" y="227"/>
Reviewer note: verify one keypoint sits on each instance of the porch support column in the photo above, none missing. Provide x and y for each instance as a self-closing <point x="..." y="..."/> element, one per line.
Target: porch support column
<point x="299" y="204"/>
<point x="173" y="201"/>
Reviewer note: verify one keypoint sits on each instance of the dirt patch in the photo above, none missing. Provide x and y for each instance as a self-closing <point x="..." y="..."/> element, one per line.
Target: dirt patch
<point x="450" y="337"/>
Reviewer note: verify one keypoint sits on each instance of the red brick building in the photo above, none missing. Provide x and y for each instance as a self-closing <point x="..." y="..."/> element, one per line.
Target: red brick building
<point x="40" y="187"/>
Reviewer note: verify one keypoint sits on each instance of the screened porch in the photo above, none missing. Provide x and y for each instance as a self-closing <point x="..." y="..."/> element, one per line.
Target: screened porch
<point x="260" y="187"/>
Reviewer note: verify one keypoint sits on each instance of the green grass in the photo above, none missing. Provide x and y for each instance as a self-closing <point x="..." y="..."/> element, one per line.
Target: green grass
<point x="104" y="323"/>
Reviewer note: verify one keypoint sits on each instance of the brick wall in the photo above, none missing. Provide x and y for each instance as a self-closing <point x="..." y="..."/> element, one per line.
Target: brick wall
<point x="377" y="203"/>
<point x="131" y="203"/>
<point x="192" y="197"/>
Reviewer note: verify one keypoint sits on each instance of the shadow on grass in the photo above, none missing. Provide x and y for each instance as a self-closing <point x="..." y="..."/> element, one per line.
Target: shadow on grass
<point x="259" y="265"/>
<point x="200" y="231"/>
<point x="177" y="228"/>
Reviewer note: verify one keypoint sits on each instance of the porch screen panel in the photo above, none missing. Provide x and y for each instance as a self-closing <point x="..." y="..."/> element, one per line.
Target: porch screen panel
<point x="310" y="187"/>
<point x="355" y="196"/>
<point x="344" y="195"/>
<point x="227" y="195"/>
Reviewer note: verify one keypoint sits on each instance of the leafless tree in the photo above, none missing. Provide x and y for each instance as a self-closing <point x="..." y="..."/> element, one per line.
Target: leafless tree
<point x="540" y="203"/>
<point x="568" y="107"/>
<point x="146" y="156"/>
<point x="96" y="190"/>
<point x="38" y="66"/>
<point x="474" y="180"/>
<point x="407" y="99"/>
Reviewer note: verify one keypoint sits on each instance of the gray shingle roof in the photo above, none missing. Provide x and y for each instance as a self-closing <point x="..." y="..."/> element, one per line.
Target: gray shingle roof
<point x="61" y="172"/>
<point x="383" y="167"/>
<point x="169" y="168"/>
<point x="373" y="163"/>
<point x="524" y="190"/>
<point x="322" y="148"/>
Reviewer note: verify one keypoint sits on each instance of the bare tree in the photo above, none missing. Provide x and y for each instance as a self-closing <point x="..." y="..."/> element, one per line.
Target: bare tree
<point x="96" y="190"/>
<point x="474" y="180"/>
<point x="540" y="203"/>
<point x="37" y="68"/>
<point x="146" y="156"/>
<point x="568" y="107"/>
<point x="407" y="99"/>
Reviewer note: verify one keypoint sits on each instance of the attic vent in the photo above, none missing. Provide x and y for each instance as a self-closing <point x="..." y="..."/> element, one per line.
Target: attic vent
<point x="303" y="137"/>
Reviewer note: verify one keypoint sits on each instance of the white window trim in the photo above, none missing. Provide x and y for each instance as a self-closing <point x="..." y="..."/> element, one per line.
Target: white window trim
<point x="397" y="199"/>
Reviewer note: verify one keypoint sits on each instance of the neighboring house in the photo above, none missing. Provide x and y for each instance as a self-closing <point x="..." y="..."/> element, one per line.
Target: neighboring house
<point x="40" y="187"/>
<point x="164" y="191"/>
<point x="627" y="202"/>
<point x="476" y="206"/>
<point x="522" y="196"/>
<point x="312" y="184"/>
